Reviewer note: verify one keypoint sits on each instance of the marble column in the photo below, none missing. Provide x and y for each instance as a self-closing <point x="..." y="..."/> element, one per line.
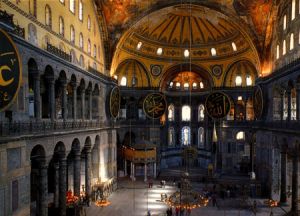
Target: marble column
<point x="90" y="105"/>
<point x="64" y="101"/>
<point x="76" y="174"/>
<point x="281" y="105"/>
<point x="43" y="191"/>
<point x="62" y="186"/>
<point x="125" y="167"/>
<point x="295" y="184"/>
<point x="88" y="170"/>
<point x="298" y="102"/>
<point x="154" y="170"/>
<point x="82" y="103"/>
<point x="145" y="172"/>
<point x="283" y="197"/>
<point x="56" y="184"/>
<point x="289" y="96"/>
<point x="131" y="170"/>
<point x="52" y="99"/>
<point x="74" y="105"/>
<point x="37" y="95"/>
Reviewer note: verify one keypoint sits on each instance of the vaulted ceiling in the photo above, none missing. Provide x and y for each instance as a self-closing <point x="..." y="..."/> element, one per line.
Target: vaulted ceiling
<point x="255" y="17"/>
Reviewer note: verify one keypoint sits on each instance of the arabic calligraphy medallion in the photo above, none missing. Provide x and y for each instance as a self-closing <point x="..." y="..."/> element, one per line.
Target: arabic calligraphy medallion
<point x="217" y="105"/>
<point x="10" y="71"/>
<point x="155" y="105"/>
<point x="114" y="102"/>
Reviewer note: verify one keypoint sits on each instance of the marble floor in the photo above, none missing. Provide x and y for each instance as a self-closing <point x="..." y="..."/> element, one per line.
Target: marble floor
<point x="136" y="199"/>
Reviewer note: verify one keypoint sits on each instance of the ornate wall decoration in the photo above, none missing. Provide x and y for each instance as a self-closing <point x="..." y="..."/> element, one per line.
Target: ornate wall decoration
<point x="258" y="102"/>
<point x="217" y="105"/>
<point x="114" y="102"/>
<point x="155" y="105"/>
<point x="156" y="70"/>
<point x="217" y="70"/>
<point x="10" y="71"/>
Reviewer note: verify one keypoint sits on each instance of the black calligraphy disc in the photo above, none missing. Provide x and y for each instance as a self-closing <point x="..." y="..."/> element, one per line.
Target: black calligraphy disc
<point x="258" y="102"/>
<point x="114" y="102"/>
<point x="217" y="105"/>
<point x="10" y="71"/>
<point x="155" y="105"/>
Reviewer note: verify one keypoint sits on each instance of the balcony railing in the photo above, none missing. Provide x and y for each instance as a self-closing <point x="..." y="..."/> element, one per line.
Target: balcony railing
<point x="8" y="19"/>
<point x="46" y="127"/>
<point x="56" y="51"/>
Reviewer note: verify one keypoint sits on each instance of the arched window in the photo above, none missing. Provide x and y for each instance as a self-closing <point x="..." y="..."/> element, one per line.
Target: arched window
<point x="95" y="51"/>
<point x="186" y="86"/>
<point x="238" y="80"/>
<point x="171" y="116"/>
<point x="81" y="40"/>
<point x="293" y="9"/>
<point x="73" y="56"/>
<point x="186" y="113"/>
<point x="240" y="135"/>
<point x="80" y="14"/>
<point x="284" y="47"/>
<point x="178" y="85"/>
<point x="194" y="85"/>
<point x="213" y="51"/>
<point x="292" y="41"/>
<point x="201" y="137"/>
<point x="89" y="23"/>
<point x="81" y="61"/>
<point x="201" y="112"/>
<point x="72" y="6"/>
<point x="284" y="22"/>
<point x="123" y="81"/>
<point x="89" y="47"/>
<point x="72" y="34"/>
<point x="201" y="85"/>
<point x="234" y="46"/>
<point x="186" y="136"/>
<point x="32" y="7"/>
<point x="48" y="17"/>
<point x="171" y="137"/>
<point x="32" y="35"/>
<point x="278" y="52"/>
<point x="248" y="80"/>
<point x="61" y="26"/>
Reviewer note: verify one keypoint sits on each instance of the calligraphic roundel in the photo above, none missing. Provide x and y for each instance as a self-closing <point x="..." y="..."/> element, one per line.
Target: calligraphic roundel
<point x="10" y="71"/>
<point x="155" y="105"/>
<point x="217" y="105"/>
<point x="114" y="102"/>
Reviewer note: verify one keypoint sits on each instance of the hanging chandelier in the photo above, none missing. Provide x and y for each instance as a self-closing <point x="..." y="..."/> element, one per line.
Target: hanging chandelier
<point x="186" y="197"/>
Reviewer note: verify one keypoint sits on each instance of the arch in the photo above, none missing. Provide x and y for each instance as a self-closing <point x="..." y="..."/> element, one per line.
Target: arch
<point x="186" y="136"/>
<point x="88" y="143"/>
<point x="37" y="152"/>
<point x="76" y="145"/>
<point x="172" y="71"/>
<point x="135" y="73"/>
<point x="60" y="149"/>
<point x="242" y="68"/>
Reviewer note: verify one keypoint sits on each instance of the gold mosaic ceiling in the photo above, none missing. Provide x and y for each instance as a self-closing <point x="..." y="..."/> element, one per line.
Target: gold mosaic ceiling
<point x="180" y="27"/>
<point x="184" y="25"/>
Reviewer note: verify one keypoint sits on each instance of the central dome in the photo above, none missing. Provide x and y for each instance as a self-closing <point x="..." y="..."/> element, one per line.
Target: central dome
<point x="186" y="25"/>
